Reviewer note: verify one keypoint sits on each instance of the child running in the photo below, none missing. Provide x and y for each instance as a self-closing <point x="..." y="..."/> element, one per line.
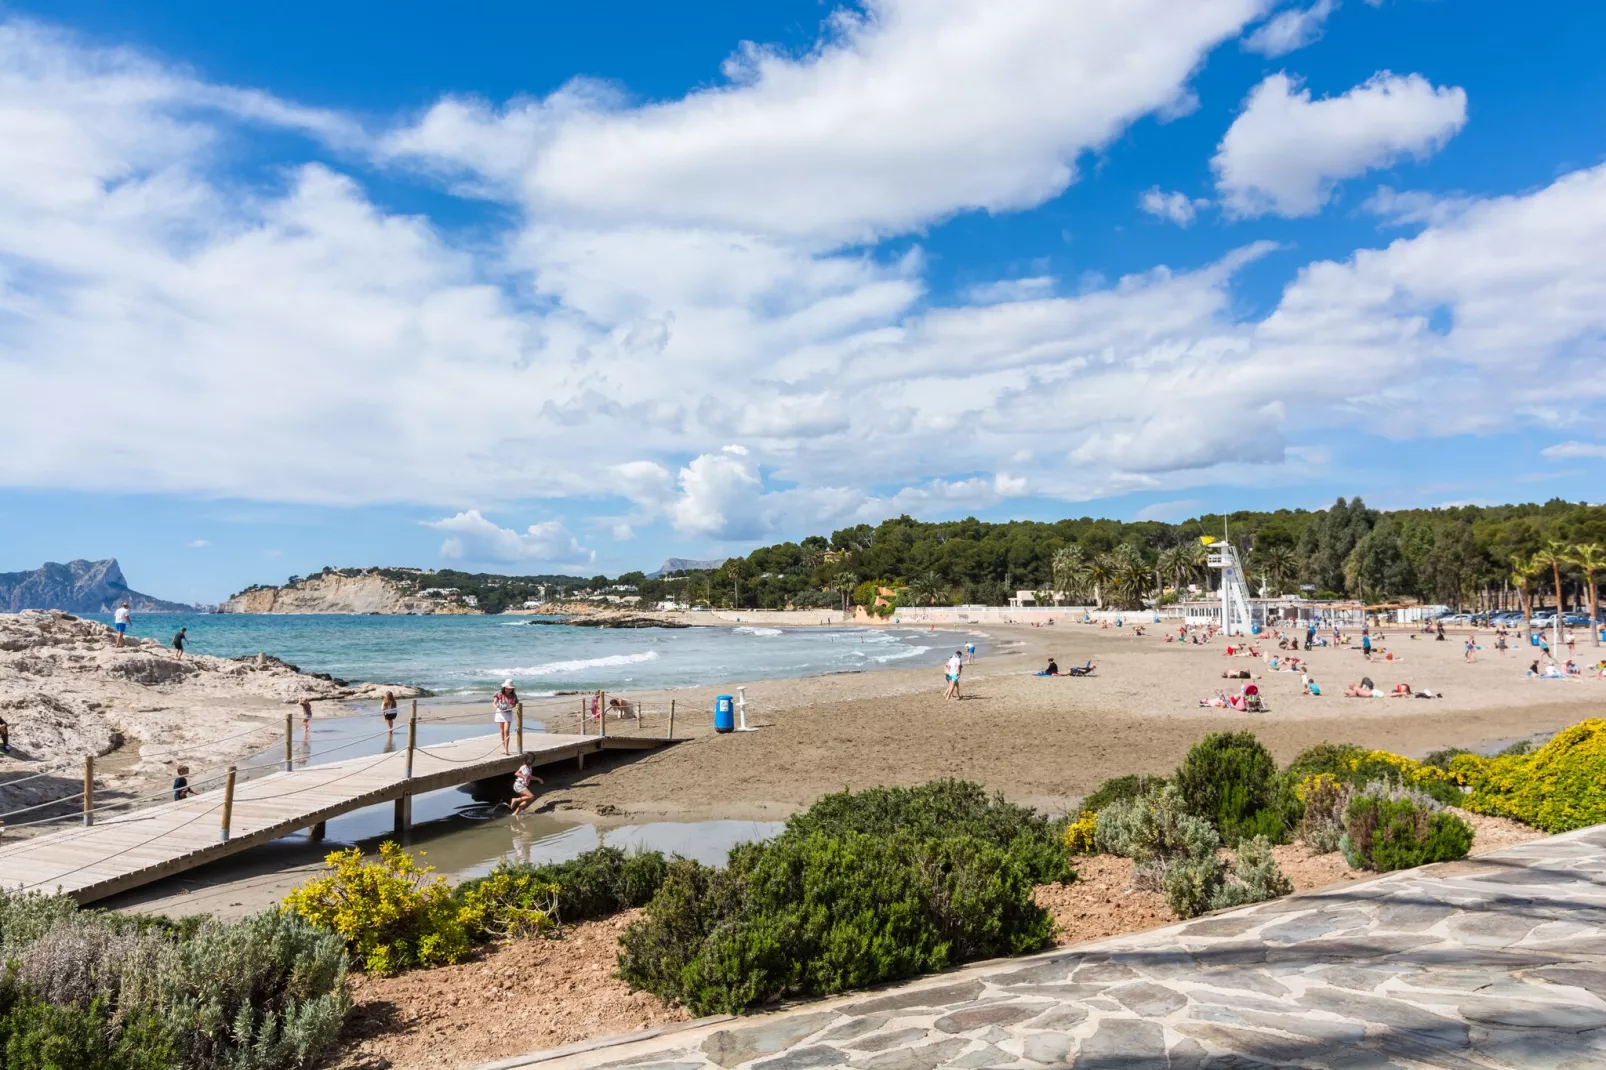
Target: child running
<point x="522" y="795"/>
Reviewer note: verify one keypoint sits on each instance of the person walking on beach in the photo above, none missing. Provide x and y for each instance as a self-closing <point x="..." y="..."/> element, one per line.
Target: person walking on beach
<point x="179" y="639"/>
<point x="502" y="705"/>
<point x="955" y="665"/>
<point x="306" y="719"/>
<point x="1472" y="649"/>
<point x="387" y="706"/>
<point x="970" y="653"/>
<point x="120" y="621"/>
<point x="522" y="795"/>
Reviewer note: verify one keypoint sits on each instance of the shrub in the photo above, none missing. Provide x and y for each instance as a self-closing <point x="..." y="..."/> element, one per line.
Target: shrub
<point x="1389" y="828"/>
<point x="91" y="989"/>
<point x="391" y="912"/>
<point x="1078" y="836"/>
<point x="1230" y="780"/>
<point x="597" y="883"/>
<point x="1121" y="788"/>
<point x="507" y="904"/>
<point x="1430" y="779"/>
<point x="1556" y="788"/>
<point x="861" y="888"/>
<point x="1178" y="854"/>
<point x="1335" y="759"/>
<point x="1440" y="759"/>
<point x="1255" y="877"/>
<point x="1326" y="797"/>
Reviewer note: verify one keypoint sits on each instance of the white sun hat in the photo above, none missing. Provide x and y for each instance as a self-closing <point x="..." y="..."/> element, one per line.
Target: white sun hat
<point x="507" y="683"/>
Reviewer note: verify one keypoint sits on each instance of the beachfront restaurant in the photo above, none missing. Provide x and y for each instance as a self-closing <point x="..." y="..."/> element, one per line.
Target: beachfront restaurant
<point x="1287" y="611"/>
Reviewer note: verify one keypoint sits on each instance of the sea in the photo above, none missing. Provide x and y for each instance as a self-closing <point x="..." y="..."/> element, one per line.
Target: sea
<point x="472" y="655"/>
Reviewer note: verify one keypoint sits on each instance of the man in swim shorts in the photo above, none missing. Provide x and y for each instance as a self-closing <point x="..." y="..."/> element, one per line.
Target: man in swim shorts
<point x="120" y="622"/>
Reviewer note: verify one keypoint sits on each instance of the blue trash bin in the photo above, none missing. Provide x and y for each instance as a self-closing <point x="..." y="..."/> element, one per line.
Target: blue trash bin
<point x="724" y="714"/>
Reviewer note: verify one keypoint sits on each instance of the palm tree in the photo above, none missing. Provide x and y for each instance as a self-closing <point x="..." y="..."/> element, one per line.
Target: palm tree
<point x="1554" y="555"/>
<point x="1590" y="557"/>
<point x="1071" y="572"/>
<point x="843" y="584"/>
<point x="1129" y="576"/>
<point x="927" y="589"/>
<point x="1276" y="565"/>
<point x="1522" y="576"/>
<point x="1100" y="572"/>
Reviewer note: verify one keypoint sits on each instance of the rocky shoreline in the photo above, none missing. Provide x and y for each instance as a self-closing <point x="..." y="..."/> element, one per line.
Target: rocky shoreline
<point x="66" y="691"/>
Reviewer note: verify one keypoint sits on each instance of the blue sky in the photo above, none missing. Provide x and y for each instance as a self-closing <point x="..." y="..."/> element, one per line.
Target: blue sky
<point x="531" y="287"/>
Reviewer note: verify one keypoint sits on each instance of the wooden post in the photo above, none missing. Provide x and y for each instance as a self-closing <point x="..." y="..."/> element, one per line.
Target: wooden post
<point x="316" y="833"/>
<point x="89" y="789"/>
<point x="404" y="804"/>
<point x="580" y="760"/>
<point x="602" y="713"/>
<point x="582" y="715"/>
<point x="289" y="737"/>
<point x="228" y="806"/>
<point x="671" y="733"/>
<point x="518" y="724"/>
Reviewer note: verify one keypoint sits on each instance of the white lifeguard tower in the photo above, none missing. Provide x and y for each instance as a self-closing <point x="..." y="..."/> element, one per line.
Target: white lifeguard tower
<point x="1237" y="612"/>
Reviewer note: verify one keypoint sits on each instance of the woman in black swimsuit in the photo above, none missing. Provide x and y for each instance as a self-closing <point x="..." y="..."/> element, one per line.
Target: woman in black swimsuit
<point x="388" y="708"/>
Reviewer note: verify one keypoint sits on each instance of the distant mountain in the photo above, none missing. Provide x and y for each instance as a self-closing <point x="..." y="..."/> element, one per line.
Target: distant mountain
<point x="77" y="587"/>
<point x="685" y="564"/>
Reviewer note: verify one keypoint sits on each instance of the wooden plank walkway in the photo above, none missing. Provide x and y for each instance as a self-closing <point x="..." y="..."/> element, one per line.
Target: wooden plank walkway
<point x="127" y="850"/>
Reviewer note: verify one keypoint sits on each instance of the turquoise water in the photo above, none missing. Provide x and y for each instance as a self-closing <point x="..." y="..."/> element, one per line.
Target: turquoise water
<point x="475" y="654"/>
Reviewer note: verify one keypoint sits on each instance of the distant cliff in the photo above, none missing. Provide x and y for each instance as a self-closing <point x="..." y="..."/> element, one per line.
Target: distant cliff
<point x="77" y="587"/>
<point x="353" y="591"/>
<point x="684" y="564"/>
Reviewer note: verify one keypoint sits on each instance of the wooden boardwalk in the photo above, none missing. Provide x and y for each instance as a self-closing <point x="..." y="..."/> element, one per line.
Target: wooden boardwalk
<point x="127" y="850"/>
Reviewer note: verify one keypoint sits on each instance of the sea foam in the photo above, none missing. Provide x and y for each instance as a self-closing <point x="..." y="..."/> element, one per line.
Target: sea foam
<point x="553" y="668"/>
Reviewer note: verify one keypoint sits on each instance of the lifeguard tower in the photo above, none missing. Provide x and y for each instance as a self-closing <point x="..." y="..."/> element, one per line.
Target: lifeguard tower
<point x="1237" y="612"/>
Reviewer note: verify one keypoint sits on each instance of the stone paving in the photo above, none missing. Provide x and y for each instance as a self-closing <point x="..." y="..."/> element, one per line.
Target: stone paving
<point x="1497" y="961"/>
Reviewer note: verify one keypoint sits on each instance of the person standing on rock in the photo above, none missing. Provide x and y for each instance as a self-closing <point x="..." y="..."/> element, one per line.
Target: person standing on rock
<point x="179" y="639"/>
<point x="120" y="621"/>
<point x="502" y="706"/>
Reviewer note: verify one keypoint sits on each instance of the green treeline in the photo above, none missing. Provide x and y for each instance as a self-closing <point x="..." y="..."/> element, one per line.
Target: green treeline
<point x="1466" y="557"/>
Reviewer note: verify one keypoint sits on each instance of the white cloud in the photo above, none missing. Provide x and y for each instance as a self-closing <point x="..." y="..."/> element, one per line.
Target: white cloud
<point x="1406" y="207"/>
<point x="1572" y="450"/>
<point x="1284" y="153"/>
<point x="196" y="544"/>
<point x="623" y="532"/>
<point x="472" y="537"/>
<point x="580" y="355"/>
<point x="1177" y="207"/>
<point x="908" y="112"/>
<point x="1170" y="512"/>
<point x="1290" y="30"/>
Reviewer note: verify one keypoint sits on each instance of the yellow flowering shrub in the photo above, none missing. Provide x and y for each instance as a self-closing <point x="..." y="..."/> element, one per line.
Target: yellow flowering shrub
<point x="1315" y="784"/>
<point x="1078" y="835"/>
<point x="508" y="904"/>
<point x="392" y="911"/>
<point x="1560" y="786"/>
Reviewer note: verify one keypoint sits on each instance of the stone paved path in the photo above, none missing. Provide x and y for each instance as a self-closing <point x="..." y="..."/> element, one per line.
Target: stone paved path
<point x="1498" y="961"/>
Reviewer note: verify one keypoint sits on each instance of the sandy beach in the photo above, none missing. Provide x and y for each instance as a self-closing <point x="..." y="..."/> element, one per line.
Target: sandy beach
<point x="1047" y="741"/>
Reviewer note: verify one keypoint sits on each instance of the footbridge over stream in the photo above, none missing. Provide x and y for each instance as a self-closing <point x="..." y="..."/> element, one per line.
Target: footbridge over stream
<point x="121" y="851"/>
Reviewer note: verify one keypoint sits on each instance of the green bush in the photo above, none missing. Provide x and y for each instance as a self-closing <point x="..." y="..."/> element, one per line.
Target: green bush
<point x="1326" y="798"/>
<point x="1120" y="789"/>
<point x="860" y="889"/>
<point x="1177" y="853"/>
<point x="1389" y="828"/>
<point x="88" y="989"/>
<point x="1335" y="759"/>
<point x="1556" y="788"/>
<point x="595" y="884"/>
<point x="1230" y="780"/>
<point x="1440" y="759"/>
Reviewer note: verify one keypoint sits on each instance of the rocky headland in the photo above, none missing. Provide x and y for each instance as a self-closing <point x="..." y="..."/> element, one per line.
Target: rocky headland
<point x="77" y="587"/>
<point x="67" y="692"/>
<point x="349" y="591"/>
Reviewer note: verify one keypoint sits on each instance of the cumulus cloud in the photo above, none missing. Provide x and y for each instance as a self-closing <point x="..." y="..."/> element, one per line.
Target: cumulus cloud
<point x="1565" y="451"/>
<point x="1177" y="207"/>
<point x="906" y="112"/>
<point x="196" y="544"/>
<point x="471" y="537"/>
<point x="1290" y="30"/>
<point x="612" y="351"/>
<point x="1285" y="151"/>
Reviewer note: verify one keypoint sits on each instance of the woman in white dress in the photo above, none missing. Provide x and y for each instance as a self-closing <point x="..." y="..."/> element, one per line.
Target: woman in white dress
<point x="503" y="704"/>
